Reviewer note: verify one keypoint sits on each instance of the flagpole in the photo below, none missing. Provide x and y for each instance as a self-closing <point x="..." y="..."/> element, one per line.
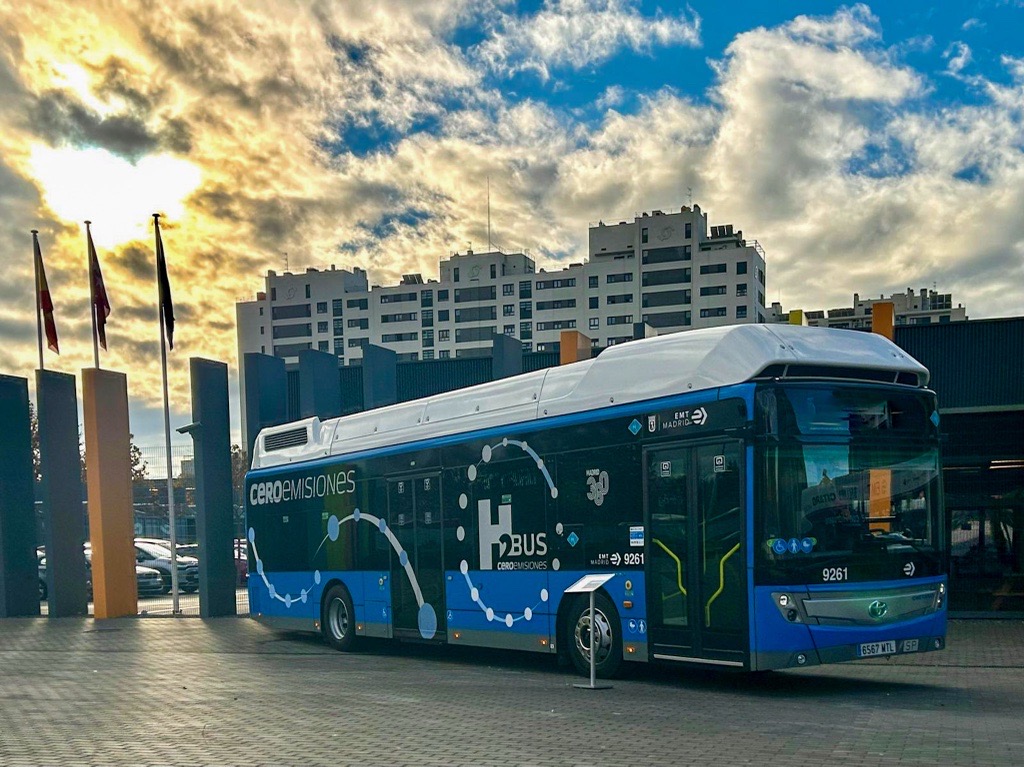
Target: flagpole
<point x="39" y="299"/>
<point x="167" y="434"/>
<point x="92" y="303"/>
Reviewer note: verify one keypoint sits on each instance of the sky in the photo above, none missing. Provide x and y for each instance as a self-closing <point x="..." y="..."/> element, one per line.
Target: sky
<point x="868" y="149"/>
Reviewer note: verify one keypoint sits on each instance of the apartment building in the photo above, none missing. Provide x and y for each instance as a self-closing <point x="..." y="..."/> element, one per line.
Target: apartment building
<point x="909" y="308"/>
<point x="668" y="270"/>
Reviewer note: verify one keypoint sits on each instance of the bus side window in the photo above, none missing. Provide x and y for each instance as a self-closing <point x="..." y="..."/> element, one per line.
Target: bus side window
<point x="373" y="551"/>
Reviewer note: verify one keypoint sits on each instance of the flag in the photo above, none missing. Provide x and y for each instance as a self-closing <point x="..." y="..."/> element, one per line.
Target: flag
<point x="166" y="307"/>
<point x="101" y="306"/>
<point x="44" y="300"/>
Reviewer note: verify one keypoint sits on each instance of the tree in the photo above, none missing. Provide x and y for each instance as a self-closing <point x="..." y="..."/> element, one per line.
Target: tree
<point x="139" y="466"/>
<point x="239" y="465"/>
<point x="33" y="420"/>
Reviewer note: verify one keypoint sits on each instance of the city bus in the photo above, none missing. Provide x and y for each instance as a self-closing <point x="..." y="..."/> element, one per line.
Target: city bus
<point x="765" y="497"/>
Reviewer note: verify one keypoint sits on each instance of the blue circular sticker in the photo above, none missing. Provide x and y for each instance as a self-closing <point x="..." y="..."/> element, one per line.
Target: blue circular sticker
<point x="807" y="544"/>
<point x="779" y="546"/>
<point x="794" y="545"/>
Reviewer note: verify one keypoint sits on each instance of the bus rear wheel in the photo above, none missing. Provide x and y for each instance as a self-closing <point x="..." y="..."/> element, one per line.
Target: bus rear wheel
<point x="608" y="636"/>
<point x="338" y="618"/>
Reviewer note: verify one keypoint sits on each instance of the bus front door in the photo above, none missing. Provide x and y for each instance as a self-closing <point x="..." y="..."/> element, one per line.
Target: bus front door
<point x="696" y="574"/>
<point x="417" y="577"/>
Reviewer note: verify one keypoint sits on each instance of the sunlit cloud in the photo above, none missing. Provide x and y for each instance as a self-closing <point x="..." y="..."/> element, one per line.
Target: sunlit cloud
<point x="116" y="195"/>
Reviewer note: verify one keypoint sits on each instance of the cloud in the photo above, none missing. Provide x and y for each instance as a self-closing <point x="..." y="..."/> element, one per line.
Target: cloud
<point x="575" y="34"/>
<point x="972" y="23"/>
<point x="958" y="56"/>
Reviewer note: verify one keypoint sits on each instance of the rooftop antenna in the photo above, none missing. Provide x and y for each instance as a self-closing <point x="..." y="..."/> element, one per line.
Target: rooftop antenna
<point x="285" y="254"/>
<point x="689" y="195"/>
<point x="490" y="247"/>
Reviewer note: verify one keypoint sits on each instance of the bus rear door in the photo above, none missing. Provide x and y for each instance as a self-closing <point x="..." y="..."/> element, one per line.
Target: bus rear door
<point x="696" y="576"/>
<point x="414" y="505"/>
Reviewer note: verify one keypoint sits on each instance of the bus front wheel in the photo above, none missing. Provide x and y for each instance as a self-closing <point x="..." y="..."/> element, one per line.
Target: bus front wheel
<point x="338" y="618"/>
<point x="608" y="637"/>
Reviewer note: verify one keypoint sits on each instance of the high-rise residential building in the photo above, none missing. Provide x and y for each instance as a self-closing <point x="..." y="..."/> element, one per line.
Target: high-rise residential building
<point x="910" y="308"/>
<point x="665" y="269"/>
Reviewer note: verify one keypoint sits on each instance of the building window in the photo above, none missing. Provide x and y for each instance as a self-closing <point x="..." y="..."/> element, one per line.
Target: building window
<point x="508" y="310"/>
<point x="442" y="295"/>
<point x="482" y="293"/>
<point x="741" y="312"/>
<point x="321" y="307"/>
<point x="261" y="311"/>
<point x="427" y="318"/>
<point x="667" y="298"/>
<point x="509" y="330"/>
<point x="340" y="330"/>
<point x="594" y="302"/>
<point x="943" y="318"/>
<point x="713" y="290"/>
<point x="525" y="289"/>
<point x="508" y="289"/>
<point x="595" y="323"/>
<point x="321" y="327"/>
<point x="525" y="310"/>
<point x="292" y="331"/>
<point x="741" y="267"/>
<point x="339" y="346"/>
<point x="362" y="324"/>
<point x="760" y="298"/>
<point x="394" y="338"/>
<point x="307" y="291"/>
<point x="444" y="354"/>
<point x="354" y="343"/>
<point x="323" y="346"/>
<point x="336" y="307"/>
<point x="403" y="317"/>
<point x="463" y="335"/>
<point x="525" y="330"/>
<point x="290" y="312"/>
<point x="443" y="315"/>
<point x="456" y="273"/>
<point x="624" y="298"/>
<point x="555" y="284"/>
<point x="565" y="303"/>
<point x="626" y="277"/>
<point x="494" y="271"/>
<point x="593" y="281"/>
<point x="718" y="311"/>
<point x="666" y="255"/>
<point x="643" y="234"/>
<point x="443" y="335"/>
<point x="428" y="338"/>
<point x="398" y="298"/>
<point x="262" y="329"/>
<point x="666" y="277"/>
<point x="688" y="231"/>
<point x="476" y="313"/>
<point x="427" y="298"/>
<point x="713" y="269"/>
<point x="557" y="325"/>
<point x="428" y="354"/>
<point x="741" y="289"/>
<point x="273" y="294"/>
<point x="358" y="303"/>
<point x="622" y="319"/>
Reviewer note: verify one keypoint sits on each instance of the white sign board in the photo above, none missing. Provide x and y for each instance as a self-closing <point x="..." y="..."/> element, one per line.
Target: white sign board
<point x="589" y="583"/>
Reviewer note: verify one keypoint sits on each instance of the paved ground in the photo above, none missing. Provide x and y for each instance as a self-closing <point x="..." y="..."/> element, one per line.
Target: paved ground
<point x="228" y="691"/>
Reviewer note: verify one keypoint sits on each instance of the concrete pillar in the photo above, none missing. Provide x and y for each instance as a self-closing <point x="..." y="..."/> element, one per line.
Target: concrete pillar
<point x="64" y="521"/>
<point x="643" y="330"/>
<point x="211" y="435"/>
<point x="19" y="579"/>
<point x="109" y="480"/>
<point x="883" y="319"/>
<point x="380" y="377"/>
<point x="319" y="386"/>
<point x="573" y="346"/>
<point x="506" y="356"/>
<point x="266" y="395"/>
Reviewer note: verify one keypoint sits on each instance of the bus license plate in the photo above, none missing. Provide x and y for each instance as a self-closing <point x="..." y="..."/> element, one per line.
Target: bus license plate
<point x="868" y="649"/>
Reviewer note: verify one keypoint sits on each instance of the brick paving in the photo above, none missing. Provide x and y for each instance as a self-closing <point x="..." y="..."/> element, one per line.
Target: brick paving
<point x="229" y="691"/>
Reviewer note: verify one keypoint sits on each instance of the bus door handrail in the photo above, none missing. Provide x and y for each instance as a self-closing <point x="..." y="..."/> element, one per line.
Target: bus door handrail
<point x="721" y="584"/>
<point x="679" y="565"/>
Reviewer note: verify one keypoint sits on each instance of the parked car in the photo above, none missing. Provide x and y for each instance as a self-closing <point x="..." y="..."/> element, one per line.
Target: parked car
<point x="149" y="580"/>
<point x="158" y="557"/>
<point x="240" y="556"/>
<point x="41" y="571"/>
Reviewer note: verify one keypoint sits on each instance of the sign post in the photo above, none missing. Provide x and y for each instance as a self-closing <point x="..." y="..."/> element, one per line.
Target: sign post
<point x="589" y="584"/>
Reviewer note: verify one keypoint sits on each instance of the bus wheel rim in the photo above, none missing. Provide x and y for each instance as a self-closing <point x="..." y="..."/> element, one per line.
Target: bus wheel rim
<point x="338" y="619"/>
<point x="604" y="636"/>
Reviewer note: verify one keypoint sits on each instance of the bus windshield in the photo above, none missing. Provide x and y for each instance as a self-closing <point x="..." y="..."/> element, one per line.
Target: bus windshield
<point x="847" y="485"/>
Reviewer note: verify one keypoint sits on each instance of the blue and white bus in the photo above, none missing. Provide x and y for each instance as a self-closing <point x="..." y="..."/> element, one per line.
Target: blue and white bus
<point x="766" y="496"/>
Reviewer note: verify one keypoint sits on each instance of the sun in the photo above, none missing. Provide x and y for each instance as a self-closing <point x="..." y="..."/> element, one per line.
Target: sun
<point x="118" y="196"/>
